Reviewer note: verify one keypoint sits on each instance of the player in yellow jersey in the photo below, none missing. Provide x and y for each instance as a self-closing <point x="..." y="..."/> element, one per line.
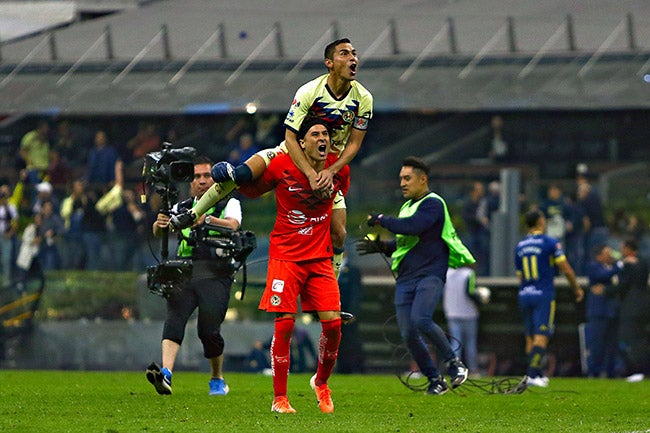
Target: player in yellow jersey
<point x="335" y="97"/>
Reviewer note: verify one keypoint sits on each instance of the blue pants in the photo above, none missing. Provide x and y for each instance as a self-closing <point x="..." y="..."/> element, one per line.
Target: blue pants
<point x="465" y="331"/>
<point x="415" y="303"/>
<point x="602" y="346"/>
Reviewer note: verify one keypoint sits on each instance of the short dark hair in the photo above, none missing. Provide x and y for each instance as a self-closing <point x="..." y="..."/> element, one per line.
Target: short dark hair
<point x="331" y="47"/>
<point x="202" y="159"/>
<point x="307" y="123"/>
<point x="416" y="163"/>
<point x="597" y="249"/>
<point x="531" y="217"/>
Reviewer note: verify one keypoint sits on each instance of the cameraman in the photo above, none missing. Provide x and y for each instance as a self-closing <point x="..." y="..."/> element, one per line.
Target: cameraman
<point x="208" y="289"/>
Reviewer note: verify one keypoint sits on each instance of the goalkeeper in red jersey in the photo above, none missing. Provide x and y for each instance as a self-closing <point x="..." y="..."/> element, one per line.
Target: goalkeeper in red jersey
<point x="300" y="257"/>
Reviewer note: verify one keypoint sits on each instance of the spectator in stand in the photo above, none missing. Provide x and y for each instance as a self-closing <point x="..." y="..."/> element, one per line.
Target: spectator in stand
<point x="27" y="261"/>
<point x="34" y="150"/>
<point x="100" y="170"/>
<point x="8" y="229"/>
<point x="72" y="212"/>
<point x="244" y="150"/>
<point x="498" y="146"/>
<point x="123" y="214"/>
<point x="59" y="172"/>
<point x="595" y="226"/>
<point x="574" y="236"/>
<point x="478" y="227"/>
<point x="51" y="230"/>
<point x="556" y="212"/>
<point x="146" y="140"/>
<point x="45" y="192"/>
<point x="603" y="304"/>
<point x="93" y="231"/>
<point x="65" y="143"/>
<point x="493" y="198"/>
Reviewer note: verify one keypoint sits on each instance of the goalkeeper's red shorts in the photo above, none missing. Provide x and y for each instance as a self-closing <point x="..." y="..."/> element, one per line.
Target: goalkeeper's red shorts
<point x="313" y="281"/>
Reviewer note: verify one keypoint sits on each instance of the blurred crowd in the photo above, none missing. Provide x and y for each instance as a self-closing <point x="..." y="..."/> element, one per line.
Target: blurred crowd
<point x="575" y="216"/>
<point x="73" y="199"/>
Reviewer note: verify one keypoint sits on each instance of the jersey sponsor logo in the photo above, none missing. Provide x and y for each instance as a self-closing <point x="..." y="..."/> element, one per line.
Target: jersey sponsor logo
<point x="296" y="217"/>
<point x="276" y="300"/>
<point x="338" y="201"/>
<point x="361" y="123"/>
<point x="277" y="286"/>
<point x="306" y="231"/>
<point x="348" y="116"/>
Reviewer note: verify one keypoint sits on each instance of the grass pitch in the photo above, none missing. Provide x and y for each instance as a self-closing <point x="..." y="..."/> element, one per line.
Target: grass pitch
<point x="56" y="401"/>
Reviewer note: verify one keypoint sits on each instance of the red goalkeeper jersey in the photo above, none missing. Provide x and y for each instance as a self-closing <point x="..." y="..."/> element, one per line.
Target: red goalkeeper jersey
<point x="302" y="225"/>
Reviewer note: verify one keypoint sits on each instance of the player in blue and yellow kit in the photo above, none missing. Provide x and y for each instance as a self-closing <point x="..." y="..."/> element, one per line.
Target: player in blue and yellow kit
<point x="536" y="258"/>
<point x="338" y="99"/>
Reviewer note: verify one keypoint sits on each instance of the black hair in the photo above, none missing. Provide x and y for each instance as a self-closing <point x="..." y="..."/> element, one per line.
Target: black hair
<point x="416" y="163"/>
<point x="202" y="159"/>
<point x="532" y="217"/>
<point x="597" y="249"/>
<point x="307" y="123"/>
<point x="331" y="47"/>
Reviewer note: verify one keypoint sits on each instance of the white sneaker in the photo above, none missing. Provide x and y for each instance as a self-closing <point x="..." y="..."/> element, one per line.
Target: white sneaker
<point x="638" y="377"/>
<point x="541" y="381"/>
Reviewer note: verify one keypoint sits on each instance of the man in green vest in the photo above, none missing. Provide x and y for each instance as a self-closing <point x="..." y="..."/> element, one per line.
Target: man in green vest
<point x="425" y="245"/>
<point x="208" y="289"/>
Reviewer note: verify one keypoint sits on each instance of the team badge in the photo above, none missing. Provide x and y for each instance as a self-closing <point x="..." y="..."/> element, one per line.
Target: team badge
<point x="348" y="116"/>
<point x="275" y="300"/>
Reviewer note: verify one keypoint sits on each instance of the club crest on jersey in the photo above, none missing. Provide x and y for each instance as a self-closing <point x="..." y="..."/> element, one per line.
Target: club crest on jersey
<point x="348" y="116"/>
<point x="275" y="300"/>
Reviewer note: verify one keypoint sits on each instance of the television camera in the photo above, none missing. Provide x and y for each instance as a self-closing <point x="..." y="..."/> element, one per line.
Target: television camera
<point x="161" y="171"/>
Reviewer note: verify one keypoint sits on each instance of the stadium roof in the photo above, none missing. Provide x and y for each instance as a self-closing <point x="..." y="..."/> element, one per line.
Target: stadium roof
<point x="209" y="56"/>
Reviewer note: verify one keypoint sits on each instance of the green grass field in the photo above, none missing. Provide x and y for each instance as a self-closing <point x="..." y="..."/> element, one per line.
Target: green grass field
<point x="57" y="401"/>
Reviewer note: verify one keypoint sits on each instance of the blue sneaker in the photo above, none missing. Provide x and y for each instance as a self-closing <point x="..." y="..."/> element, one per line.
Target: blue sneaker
<point x="218" y="387"/>
<point x="160" y="379"/>
<point x="222" y="172"/>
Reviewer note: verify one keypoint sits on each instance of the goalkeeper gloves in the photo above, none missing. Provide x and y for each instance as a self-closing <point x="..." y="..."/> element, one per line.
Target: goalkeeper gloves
<point x="373" y="219"/>
<point x="367" y="246"/>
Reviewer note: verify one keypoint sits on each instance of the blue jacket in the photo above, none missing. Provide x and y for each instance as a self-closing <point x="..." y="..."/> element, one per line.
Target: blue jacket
<point x="607" y="304"/>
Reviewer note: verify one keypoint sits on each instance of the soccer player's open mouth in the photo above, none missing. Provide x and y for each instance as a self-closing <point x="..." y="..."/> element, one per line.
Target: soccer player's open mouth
<point x="353" y="68"/>
<point x="322" y="149"/>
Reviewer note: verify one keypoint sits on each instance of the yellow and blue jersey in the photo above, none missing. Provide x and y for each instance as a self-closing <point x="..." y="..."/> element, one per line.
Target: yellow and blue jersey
<point x="315" y="98"/>
<point x="536" y="258"/>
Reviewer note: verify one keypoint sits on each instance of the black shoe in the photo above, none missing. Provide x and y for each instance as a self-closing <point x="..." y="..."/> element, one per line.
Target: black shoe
<point x="437" y="386"/>
<point x="457" y="371"/>
<point x="160" y="379"/>
<point x="182" y="220"/>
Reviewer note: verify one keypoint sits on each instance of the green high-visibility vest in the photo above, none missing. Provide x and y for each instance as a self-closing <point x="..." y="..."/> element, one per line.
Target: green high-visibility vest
<point x="185" y="250"/>
<point x="459" y="255"/>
